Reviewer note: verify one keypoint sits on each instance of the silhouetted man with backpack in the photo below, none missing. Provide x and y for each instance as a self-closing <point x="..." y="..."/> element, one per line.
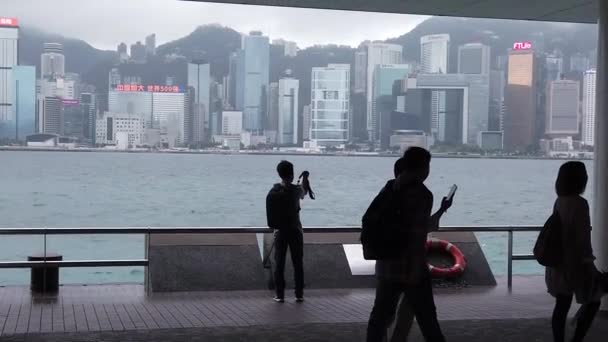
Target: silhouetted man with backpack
<point x="283" y="214"/>
<point x="395" y="229"/>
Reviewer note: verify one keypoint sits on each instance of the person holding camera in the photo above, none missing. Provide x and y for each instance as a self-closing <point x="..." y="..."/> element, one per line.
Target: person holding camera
<point x="283" y="215"/>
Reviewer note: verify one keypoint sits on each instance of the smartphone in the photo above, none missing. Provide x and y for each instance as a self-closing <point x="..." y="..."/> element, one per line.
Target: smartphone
<point x="452" y="192"/>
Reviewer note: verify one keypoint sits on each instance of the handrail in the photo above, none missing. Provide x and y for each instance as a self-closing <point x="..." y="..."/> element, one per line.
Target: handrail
<point x="147" y="231"/>
<point x="235" y="230"/>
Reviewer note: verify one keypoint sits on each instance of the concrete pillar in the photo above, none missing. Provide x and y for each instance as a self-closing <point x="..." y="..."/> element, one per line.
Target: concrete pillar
<point x="600" y="219"/>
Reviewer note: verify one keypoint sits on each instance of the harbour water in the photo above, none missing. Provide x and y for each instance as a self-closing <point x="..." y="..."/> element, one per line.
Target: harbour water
<point x="47" y="189"/>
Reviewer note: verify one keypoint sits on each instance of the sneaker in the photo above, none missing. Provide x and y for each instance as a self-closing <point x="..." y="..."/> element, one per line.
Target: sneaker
<point x="300" y="300"/>
<point x="279" y="300"/>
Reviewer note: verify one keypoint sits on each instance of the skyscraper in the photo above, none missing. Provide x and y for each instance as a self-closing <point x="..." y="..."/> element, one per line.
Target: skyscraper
<point x="288" y="110"/>
<point x="52" y="63"/>
<point x="272" y="123"/>
<point x="24" y="109"/>
<point x="9" y="37"/>
<point x="151" y="45"/>
<point x="330" y="108"/>
<point x="562" y="108"/>
<point x="579" y="62"/>
<point x="123" y="55"/>
<point x="290" y="49"/>
<point x="520" y="100"/>
<point x="252" y="79"/>
<point x="52" y="122"/>
<point x="434" y="53"/>
<point x="138" y="53"/>
<point x="378" y="54"/>
<point x="589" y="107"/>
<point x="554" y="67"/>
<point x="497" y="100"/>
<point x="306" y="122"/>
<point x="385" y="76"/>
<point x="199" y="79"/>
<point x="88" y="105"/>
<point x="474" y="59"/>
<point x="360" y="71"/>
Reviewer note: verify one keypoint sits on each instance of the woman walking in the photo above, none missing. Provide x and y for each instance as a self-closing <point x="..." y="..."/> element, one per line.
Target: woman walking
<point x="576" y="276"/>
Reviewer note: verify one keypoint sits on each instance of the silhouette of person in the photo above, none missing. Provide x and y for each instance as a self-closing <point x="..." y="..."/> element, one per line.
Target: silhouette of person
<point x="576" y="276"/>
<point x="408" y="275"/>
<point x="283" y="214"/>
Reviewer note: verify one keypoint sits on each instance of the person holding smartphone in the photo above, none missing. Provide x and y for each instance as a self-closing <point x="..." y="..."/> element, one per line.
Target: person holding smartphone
<point x="408" y="275"/>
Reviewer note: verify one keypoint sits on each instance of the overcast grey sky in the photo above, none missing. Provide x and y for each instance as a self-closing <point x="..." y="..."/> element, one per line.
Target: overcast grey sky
<point x="105" y="23"/>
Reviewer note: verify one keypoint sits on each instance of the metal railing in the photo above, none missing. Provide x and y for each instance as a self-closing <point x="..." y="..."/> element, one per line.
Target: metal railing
<point x="148" y="231"/>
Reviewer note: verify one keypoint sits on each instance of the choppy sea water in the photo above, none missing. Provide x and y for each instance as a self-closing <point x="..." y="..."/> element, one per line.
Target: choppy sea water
<point x="47" y="189"/>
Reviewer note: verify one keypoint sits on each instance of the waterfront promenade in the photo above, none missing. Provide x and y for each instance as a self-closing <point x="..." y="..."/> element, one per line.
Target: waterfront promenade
<point x="125" y="313"/>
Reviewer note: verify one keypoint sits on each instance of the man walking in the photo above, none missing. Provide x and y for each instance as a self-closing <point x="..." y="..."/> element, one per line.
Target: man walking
<point x="408" y="274"/>
<point x="283" y="214"/>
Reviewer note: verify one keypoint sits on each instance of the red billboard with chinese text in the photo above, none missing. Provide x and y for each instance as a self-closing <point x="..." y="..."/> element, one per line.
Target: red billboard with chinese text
<point x="151" y="88"/>
<point x="9" y="22"/>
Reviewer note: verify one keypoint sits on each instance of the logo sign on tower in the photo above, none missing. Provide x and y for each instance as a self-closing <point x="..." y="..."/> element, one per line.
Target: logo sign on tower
<point x="522" y="46"/>
<point x="10" y="22"/>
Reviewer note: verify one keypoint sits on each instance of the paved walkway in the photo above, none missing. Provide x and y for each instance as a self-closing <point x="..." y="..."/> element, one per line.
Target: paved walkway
<point x="123" y="312"/>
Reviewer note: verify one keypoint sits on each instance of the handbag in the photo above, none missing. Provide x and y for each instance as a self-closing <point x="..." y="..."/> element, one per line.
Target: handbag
<point x="548" y="249"/>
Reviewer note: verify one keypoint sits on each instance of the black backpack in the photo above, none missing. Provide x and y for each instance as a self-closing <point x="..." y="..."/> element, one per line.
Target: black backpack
<point x="548" y="248"/>
<point x="282" y="209"/>
<point x="382" y="226"/>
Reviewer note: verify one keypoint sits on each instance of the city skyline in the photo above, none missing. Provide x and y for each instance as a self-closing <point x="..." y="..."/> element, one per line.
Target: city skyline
<point x="445" y="93"/>
<point x="291" y="24"/>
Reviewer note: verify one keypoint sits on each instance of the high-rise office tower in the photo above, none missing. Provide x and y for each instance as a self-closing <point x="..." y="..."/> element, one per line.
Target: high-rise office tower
<point x="579" y="62"/>
<point x="9" y="51"/>
<point x="52" y="64"/>
<point x="73" y="123"/>
<point x="360" y="72"/>
<point x="474" y="59"/>
<point x="330" y="108"/>
<point x="199" y="79"/>
<point x="288" y="110"/>
<point x="497" y="100"/>
<point x="151" y="44"/>
<point x="52" y="122"/>
<point x="24" y="104"/>
<point x="521" y="100"/>
<point x="290" y="49"/>
<point x="562" y="108"/>
<point x="272" y="123"/>
<point x="235" y="66"/>
<point x="123" y="55"/>
<point x="589" y="107"/>
<point x="378" y="54"/>
<point x="434" y="57"/>
<point x="434" y="54"/>
<point x="554" y="67"/>
<point x="138" y="53"/>
<point x="252" y="79"/>
<point x="88" y="105"/>
<point x="306" y="122"/>
<point x="383" y="103"/>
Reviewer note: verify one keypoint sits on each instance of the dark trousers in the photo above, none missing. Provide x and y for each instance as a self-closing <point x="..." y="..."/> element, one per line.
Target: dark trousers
<point x="294" y="240"/>
<point x="419" y="297"/>
<point x="584" y="319"/>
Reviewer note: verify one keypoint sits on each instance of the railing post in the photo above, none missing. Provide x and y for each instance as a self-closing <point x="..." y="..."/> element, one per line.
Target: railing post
<point x="147" y="257"/>
<point x="510" y="260"/>
<point x="44" y="262"/>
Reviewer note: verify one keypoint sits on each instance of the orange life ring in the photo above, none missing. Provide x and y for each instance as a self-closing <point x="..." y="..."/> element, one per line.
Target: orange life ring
<point x="460" y="262"/>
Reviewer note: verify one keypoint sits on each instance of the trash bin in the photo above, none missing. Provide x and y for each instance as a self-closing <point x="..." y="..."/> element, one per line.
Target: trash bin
<point x="45" y="278"/>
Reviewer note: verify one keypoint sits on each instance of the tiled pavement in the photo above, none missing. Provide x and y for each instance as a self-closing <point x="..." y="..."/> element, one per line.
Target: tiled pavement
<point x="88" y="310"/>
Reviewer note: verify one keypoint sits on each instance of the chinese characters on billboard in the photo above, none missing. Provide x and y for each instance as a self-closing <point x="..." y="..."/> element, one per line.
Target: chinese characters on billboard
<point x="149" y="88"/>
<point x="11" y="22"/>
<point x="522" y="46"/>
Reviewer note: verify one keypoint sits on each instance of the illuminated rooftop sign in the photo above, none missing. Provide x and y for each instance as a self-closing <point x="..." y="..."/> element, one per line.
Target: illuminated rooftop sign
<point x="10" y="22"/>
<point x="522" y="46"/>
<point x="152" y="88"/>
